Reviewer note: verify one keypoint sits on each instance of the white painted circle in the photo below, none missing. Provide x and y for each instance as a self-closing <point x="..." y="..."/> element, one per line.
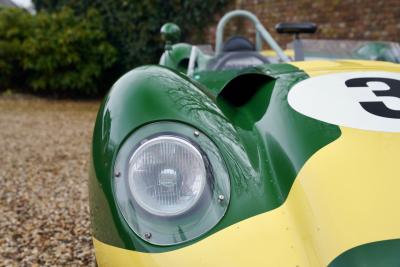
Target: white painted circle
<point x="329" y="99"/>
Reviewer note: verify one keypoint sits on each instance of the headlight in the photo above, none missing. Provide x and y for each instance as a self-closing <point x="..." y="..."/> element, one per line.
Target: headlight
<point x="171" y="185"/>
<point x="167" y="175"/>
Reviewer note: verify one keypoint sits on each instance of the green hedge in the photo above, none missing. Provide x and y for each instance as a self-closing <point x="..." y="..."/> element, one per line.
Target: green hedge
<point x="57" y="53"/>
<point x="76" y="48"/>
<point x="15" y="25"/>
<point x="133" y="26"/>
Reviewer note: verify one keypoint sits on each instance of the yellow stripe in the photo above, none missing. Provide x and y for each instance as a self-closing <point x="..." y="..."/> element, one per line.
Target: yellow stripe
<point x="272" y="53"/>
<point x="315" y="68"/>
<point x="345" y="195"/>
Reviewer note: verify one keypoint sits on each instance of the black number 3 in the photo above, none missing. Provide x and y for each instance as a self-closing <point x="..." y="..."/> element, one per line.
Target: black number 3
<point x="378" y="107"/>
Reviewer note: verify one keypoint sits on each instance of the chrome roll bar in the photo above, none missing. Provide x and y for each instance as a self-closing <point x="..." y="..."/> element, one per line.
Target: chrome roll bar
<point x="261" y="32"/>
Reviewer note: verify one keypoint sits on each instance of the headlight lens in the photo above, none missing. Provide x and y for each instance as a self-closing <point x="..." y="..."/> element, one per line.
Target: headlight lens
<point x="170" y="183"/>
<point x="167" y="175"/>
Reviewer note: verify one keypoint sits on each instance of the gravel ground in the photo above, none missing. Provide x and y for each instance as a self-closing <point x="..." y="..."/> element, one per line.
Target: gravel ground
<point x="44" y="211"/>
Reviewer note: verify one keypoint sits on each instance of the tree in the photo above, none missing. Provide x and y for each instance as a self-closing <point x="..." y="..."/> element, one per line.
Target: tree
<point x="54" y="53"/>
<point x="15" y="27"/>
<point x="133" y="26"/>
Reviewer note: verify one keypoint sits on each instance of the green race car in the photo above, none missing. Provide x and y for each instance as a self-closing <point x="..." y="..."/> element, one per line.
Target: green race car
<point x="232" y="158"/>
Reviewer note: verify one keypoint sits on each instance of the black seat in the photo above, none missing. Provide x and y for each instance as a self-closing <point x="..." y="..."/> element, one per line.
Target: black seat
<point x="237" y="60"/>
<point x="238" y="53"/>
<point x="238" y="43"/>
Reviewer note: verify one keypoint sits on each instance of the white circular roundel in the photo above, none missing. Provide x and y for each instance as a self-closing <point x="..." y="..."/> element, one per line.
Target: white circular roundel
<point x="363" y="100"/>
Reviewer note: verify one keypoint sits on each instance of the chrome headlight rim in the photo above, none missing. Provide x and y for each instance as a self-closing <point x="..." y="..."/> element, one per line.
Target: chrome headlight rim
<point x="196" y="221"/>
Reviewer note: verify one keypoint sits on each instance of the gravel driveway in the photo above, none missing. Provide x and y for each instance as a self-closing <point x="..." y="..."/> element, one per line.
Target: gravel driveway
<point x="44" y="211"/>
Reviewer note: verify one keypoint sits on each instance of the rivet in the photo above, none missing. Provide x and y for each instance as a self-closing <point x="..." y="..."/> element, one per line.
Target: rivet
<point x="147" y="235"/>
<point x="196" y="133"/>
<point x="221" y="198"/>
<point x="117" y="174"/>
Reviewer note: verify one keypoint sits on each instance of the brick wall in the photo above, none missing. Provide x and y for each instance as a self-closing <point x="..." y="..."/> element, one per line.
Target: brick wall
<point x="336" y="19"/>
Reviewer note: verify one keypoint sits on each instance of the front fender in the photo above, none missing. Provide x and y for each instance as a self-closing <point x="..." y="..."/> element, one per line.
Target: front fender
<point x="142" y="96"/>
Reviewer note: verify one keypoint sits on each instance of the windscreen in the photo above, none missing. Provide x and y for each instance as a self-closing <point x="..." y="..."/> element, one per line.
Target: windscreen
<point x="203" y="58"/>
<point x="348" y="49"/>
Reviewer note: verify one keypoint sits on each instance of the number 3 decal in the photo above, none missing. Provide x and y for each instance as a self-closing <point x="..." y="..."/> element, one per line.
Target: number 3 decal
<point x="378" y="108"/>
<point x="362" y="100"/>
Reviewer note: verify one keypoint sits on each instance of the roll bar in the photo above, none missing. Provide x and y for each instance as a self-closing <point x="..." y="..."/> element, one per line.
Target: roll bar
<point x="260" y="32"/>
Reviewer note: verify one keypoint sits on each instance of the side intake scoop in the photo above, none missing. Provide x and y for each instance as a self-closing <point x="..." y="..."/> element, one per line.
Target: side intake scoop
<point x="242" y="88"/>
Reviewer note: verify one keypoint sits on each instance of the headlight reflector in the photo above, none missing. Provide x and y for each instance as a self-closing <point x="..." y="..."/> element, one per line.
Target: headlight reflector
<point x="167" y="175"/>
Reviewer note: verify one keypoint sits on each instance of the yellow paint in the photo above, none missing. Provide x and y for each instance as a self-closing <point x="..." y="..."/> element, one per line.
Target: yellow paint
<point x="344" y="196"/>
<point x="315" y="68"/>
<point x="272" y="53"/>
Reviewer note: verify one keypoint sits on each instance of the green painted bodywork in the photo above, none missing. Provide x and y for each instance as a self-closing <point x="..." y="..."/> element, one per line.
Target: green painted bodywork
<point x="383" y="254"/>
<point x="262" y="140"/>
<point x="177" y="57"/>
<point x="171" y="33"/>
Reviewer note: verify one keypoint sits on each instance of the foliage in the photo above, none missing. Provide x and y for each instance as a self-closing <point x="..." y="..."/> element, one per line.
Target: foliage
<point x="56" y="53"/>
<point x="67" y="53"/>
<point x="75" y="47"/>
<point x="133" y="26"/>
<point x="15" y="26"/>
